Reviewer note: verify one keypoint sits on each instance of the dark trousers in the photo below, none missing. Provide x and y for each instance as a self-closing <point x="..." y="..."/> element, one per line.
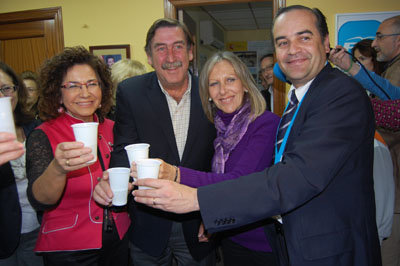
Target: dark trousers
<point x="237" y="255"/>
<point x="176" y="250"/>
<point x="113" y="252"/>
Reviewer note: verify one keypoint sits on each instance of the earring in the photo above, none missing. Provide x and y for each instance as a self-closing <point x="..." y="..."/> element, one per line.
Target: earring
<point x="246" y="91"/>
<point x="209" y="99"/>
<point x="99" y="106"/>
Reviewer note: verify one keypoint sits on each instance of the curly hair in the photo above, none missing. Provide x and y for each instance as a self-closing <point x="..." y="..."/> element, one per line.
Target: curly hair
<point x="21" y="115"/>
<point x="53" y="72"/>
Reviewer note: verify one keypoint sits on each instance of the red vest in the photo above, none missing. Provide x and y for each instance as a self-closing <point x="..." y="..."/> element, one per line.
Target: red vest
<point x="76" y="222"/>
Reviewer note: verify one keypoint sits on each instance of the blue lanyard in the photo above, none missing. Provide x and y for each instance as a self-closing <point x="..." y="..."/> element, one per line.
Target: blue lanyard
<point x="278" y="154"/>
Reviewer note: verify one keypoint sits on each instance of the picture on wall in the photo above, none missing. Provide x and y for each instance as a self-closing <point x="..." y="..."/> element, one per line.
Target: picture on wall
<point x="111" y="53"/>
<point x="354" y="27"/>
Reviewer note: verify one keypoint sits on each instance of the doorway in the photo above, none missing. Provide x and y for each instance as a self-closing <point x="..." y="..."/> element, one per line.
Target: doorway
<point x="27" y="38"/>
<point x="173" y="7"/>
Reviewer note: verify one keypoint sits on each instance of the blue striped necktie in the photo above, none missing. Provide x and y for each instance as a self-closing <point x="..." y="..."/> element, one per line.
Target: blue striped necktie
<point x="286" y="119"/>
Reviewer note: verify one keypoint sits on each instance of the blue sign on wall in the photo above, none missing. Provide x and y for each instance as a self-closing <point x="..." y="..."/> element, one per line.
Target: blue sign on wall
<point x="354" y="31"/>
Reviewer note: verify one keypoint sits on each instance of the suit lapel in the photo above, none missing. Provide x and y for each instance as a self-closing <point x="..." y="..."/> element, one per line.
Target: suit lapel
<point x="162" y="116"/>
<point x="195" y="117"/>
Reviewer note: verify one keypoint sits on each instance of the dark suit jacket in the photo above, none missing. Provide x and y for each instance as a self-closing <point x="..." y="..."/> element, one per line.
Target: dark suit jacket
<point x="142" y="115"/>
<point x="323" y="187"/>
<point x="10" y="210"/>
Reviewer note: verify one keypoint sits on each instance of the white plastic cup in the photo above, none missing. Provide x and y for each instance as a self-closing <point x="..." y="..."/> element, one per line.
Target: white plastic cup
<point x="87" y="133"/>
<point x="137" y="152"/>
<point x="6" y="116"/>
<point x="119" y="180"/>
<point x="147" y="168"/>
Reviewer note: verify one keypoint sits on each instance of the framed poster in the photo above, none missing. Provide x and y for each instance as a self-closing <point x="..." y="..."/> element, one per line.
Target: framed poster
<point x="111" y="53"/>
<point x="354" y="27"/>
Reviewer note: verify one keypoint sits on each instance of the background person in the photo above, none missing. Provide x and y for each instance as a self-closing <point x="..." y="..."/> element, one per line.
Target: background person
<point x="120" y="71"/>
<point x="31" y="82"/>
<point x="16" y="215"/>
<point x="387" y="46"/>
<point x="163" y="108"/>
<point x="76" y="87"/>
<point x="267" y="73"/>
<point x="321" y="183"/>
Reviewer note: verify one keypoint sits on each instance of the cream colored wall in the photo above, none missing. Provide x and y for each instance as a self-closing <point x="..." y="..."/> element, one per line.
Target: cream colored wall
<point x="86" y="21"/>
<point x="247" y="35"/>
<point x="331" y="8"/>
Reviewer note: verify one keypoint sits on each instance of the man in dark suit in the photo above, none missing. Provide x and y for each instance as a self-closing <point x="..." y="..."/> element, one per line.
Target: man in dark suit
<point x="163" y="108"/>
<point x="321" y="183"/>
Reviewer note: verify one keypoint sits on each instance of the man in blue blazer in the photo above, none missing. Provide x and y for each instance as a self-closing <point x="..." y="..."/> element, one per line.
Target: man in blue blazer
<point x="321" y="184"/>
<point x="163" y="108"/>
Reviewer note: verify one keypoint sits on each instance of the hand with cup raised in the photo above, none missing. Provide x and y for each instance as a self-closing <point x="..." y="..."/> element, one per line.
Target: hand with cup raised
<point x="10" y="149"/>
<point x="70" y="156"/>
<point x="166" y="195"/>
<point x="166" y="171"/>
<point x="103" y="194"/>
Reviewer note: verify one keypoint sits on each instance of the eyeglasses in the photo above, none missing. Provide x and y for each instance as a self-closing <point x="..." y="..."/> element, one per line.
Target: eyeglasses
<point x="8" y="90"/>
<point x="379" y="36"/>
<point x="77" y="86"/>
<point x="267" y="68"/>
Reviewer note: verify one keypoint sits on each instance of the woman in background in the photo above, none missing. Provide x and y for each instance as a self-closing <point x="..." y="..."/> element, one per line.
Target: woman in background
<point x="120" y="71"/>
<point x="76" y="88"/>
<point x="31" y="82"/>
<point x="17" y="216"/>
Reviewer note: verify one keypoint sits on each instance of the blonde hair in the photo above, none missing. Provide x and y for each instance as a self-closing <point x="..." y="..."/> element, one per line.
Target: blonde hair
<point x="257" y="101"/>
<point x="124" y="69"/>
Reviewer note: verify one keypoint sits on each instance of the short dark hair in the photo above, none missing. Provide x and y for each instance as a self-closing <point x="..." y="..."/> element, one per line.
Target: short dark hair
<point x="21" y="115"/>
<point x="167" y="23"/>
<point x="321" y="19"/>
<point x="53" y="72"/>
<point x="265" y="56"/>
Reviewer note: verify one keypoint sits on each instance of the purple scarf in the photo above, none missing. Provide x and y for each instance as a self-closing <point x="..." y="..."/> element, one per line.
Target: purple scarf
<point x="228" y="136"/>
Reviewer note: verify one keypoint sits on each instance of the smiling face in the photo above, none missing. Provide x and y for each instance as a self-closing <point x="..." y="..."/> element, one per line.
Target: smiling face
<point x="300" y="50"/>
<point x="81" y="103"/>
<point x="225" y="88"/>
<point x="170" y="57"/>
<point x="267" y="70"/>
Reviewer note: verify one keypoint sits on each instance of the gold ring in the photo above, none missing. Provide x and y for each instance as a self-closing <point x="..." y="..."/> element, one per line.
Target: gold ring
<point x="154" y="202"/>
<point x="67" y="163"/>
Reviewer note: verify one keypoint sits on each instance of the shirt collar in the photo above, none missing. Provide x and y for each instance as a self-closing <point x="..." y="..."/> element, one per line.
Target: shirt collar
<point x="300" y="91"/>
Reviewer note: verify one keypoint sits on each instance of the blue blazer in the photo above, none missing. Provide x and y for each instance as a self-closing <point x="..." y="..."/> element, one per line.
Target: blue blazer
<point x="323" y="188"/>
<point x="142" y="115"/>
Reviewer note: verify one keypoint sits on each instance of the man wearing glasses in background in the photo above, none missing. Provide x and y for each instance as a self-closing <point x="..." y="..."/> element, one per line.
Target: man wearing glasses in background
<point x="387" y="46"/>
<point x="267" y="77"/>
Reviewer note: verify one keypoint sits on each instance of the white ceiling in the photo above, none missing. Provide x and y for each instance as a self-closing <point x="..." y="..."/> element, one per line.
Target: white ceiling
<point x="242" y="16"/>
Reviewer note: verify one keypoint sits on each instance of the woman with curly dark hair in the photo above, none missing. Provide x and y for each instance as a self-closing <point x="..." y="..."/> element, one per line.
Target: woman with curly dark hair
<point x="76" y="87"/>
